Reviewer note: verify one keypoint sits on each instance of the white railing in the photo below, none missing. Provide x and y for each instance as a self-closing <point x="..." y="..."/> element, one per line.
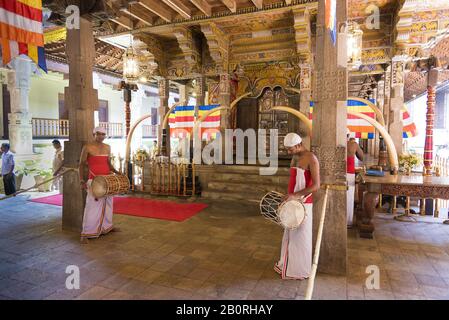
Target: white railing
<point x="114" y="130"/>
<point x="49" y="128"/>
<point x="149" y="131"/>
<point x="59" y="128"/>
<point x="442" y="165"/>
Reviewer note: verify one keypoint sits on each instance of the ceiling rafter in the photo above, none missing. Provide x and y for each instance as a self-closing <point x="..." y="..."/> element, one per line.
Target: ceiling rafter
<point x="179" y="7"/>
<point x="158" y="8"/>
<point x="204" y="6"/>
<point x="231" y="4"/>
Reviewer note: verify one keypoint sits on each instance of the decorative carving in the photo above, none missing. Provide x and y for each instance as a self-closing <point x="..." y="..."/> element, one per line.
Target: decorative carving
<point x="305" y="80"/>
<point x="419" y="191"/>
<point x="225" y="84"/>
<point x="332" y="162"/>
<point x="303" y="34"/>
<point x="256" y="77"/>
<point x="188" y="46"/>
<point x="398" y="73"/>
<point x="218" y="44"/>
<point x="334" y="83"/>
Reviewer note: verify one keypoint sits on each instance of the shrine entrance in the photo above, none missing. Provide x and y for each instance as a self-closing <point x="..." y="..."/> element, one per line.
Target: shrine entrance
<point x="257" y="113"/>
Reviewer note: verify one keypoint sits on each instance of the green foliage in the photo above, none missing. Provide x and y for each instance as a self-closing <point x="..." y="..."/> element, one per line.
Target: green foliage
<point x="409" y="161"/>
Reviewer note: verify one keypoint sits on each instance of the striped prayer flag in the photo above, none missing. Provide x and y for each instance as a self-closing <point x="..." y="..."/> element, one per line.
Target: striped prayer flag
<point x="331" y="18"/>
<point x="21" y="31"/>
<point x="181" y="121"/>
<point x="210" y="127"/>
<point x="409" y="127"/>
<point x="360" y="128"/>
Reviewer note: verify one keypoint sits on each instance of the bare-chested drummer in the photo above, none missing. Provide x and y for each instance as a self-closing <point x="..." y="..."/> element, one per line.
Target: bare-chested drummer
<point x="353" y="150"/>
<point x="296" y="251"/>
<point x="98" y="212"/>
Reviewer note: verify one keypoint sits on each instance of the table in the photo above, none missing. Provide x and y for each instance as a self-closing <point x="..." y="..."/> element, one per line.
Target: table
<point x="414" y="185"/>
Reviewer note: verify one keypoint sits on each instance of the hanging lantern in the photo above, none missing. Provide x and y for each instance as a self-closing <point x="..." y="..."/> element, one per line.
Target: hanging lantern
<point x="131" y="70"/>
<point x="354" y="45"/>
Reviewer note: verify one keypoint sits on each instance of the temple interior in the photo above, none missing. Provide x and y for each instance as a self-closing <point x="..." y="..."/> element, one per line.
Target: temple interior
<point x="198" y="101"/>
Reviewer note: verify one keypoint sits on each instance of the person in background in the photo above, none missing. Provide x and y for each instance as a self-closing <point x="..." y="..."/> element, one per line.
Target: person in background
<point x="9" y="179"/>
<point x="154" y="150"/>
<point x="58" y="162"/>
<point x="353" y="150"/>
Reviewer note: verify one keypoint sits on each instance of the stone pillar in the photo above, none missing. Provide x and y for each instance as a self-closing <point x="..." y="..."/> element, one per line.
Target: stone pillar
<point x="183" y="94"/>
<point x="225" y="99"/>
<point x="329" y="141"/>
<point x="304" y="99"/>
<point x="81" y="100"/>
<point x="396" y="103"/>
<point x="20" y="127"/>
<point x="163" y="135"/>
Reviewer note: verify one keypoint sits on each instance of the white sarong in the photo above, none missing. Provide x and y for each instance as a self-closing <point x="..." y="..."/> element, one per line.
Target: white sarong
<point x="97" y="215"/>
<point x="296" y="250"/>
<point x="350" y="198"/>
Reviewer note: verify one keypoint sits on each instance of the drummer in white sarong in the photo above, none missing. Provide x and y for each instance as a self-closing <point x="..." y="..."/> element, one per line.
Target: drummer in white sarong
<point x="296" y="252"/>
<point x="96" y="156"/>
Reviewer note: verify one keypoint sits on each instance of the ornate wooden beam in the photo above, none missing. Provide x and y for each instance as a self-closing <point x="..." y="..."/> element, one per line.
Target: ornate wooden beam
<point x="303" y="34"/>
<point x="231" y="4"/>
<point x="186" y="42"/>
<point x="153" y="52"/>
<point x="218" y="44"/>
<point x="156" y="7"/>
<point x="179" y="7"/>
<point x="204" y="6"/>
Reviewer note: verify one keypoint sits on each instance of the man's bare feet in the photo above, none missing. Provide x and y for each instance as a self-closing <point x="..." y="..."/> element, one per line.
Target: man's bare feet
<point x="446" y="221"/>
<point x="84" y="240"/>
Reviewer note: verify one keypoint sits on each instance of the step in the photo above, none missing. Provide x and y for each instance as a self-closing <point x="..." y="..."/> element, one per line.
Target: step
<point x="250" y="178"/>
<point x="213" y="195"/>
<point x="235" y="187"/>
<point x="241" y="169"/>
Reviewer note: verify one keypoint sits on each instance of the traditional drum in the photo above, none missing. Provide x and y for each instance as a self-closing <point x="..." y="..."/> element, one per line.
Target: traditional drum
<point x="109" y="185"/>
<point x="288" y="214"/>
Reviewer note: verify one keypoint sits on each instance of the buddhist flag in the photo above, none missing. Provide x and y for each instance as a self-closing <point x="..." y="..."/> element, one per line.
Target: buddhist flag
<point x="409" y="127"/>
<point x="331" y="18"/>
<point x="210" y="127"/>
<point x="359" y="128"/>
<point x="21" y="30"/>
<point x="181" y="121"/>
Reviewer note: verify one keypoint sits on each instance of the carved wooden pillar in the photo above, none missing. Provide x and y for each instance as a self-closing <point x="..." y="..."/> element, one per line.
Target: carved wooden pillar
<point x="81" y="100"/>
<point x="329" y="141"/>
<point x="163" y="134"/>
<point x="127" y="95"/>
<point x="428" y="146"/>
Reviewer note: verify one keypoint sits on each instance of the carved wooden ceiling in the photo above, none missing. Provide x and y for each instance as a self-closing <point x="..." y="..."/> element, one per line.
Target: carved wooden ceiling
<point x="181" y="39"/>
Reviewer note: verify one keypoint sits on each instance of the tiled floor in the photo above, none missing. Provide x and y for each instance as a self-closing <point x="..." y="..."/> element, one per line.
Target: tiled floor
<point x="225" y="252"/>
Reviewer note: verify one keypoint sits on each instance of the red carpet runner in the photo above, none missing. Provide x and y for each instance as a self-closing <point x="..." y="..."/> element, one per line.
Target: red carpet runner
<point x="139" y="207"/>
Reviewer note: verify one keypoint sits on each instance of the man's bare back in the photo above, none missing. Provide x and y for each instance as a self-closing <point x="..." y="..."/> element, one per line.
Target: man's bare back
<point x="353" y="149"/>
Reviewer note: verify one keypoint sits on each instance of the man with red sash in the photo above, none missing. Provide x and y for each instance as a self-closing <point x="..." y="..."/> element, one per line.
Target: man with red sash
<point x="296" y="251"/>
<point x="96" y="156"/>
<point x="353" y="150"/>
